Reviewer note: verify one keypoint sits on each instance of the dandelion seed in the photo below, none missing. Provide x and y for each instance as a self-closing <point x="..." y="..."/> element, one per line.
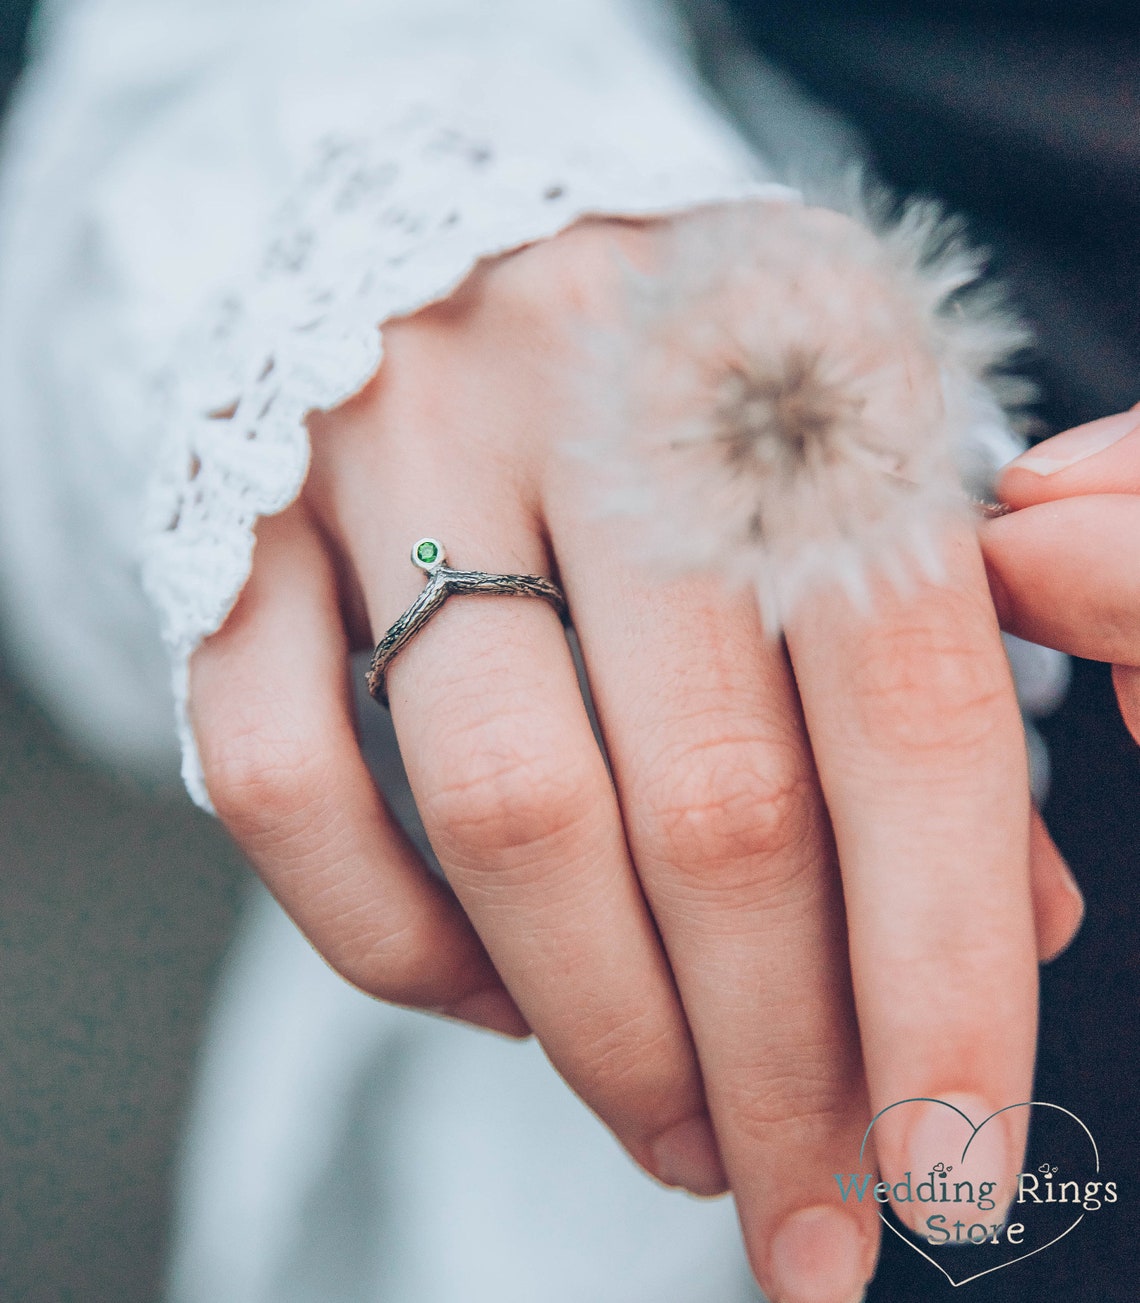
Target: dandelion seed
<point x="797" y="396"/>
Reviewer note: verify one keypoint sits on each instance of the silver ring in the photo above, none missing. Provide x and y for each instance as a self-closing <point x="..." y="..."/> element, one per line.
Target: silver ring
<point x="429" y="556"/>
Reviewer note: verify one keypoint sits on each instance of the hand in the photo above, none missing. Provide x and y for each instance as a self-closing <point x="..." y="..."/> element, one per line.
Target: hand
<point x="1063" y="566"/>
<point x="678" y="936"/>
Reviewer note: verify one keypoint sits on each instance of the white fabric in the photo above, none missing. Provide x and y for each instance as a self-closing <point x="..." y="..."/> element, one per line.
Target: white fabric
<point x="196" y="191"/>
<point x="344" y="1150"/>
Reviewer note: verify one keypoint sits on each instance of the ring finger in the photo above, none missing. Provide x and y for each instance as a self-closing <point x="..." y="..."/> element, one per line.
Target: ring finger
<point x="731" y="840"/>
<point x="518" y="803"/>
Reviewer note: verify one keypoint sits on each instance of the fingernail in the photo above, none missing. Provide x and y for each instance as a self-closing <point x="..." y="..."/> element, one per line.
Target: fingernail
<point x="493" y="1010"/>
<point x="818" y="1255"/>
<point x="1075" y="445"/>
<point x="939" y="1135"/>
<point x="688" y="1156"/>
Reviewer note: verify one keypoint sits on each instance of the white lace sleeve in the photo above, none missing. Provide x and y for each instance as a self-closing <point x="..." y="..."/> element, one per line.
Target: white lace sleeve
<point x="248" y="191"/>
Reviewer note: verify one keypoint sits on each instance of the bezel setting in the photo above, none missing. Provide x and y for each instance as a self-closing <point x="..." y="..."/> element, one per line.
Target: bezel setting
<point x="437" y="558"/>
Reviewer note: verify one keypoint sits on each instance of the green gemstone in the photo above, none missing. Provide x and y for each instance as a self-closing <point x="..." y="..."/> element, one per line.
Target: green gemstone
<point x="427" y="552"/>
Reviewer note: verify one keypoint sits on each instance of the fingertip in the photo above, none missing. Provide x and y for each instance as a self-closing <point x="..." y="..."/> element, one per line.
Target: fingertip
<point x="820" y="1254"/>
<point x="1065" y="575"/>
<point x="1017" y="488"/>
<point x="687" y="1156"/>
<point x="1126" y="681"/>
<point x="1053" y="944"/>
<point x="1058" y="904"/>
<point x="491" y="1010"/>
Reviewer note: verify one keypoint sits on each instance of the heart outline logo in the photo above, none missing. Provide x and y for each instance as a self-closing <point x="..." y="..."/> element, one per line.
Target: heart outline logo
<point x="1033" y="1103"/>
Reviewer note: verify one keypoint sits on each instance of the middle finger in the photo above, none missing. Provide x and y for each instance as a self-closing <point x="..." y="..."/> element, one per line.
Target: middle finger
<point x="728" y="831"/>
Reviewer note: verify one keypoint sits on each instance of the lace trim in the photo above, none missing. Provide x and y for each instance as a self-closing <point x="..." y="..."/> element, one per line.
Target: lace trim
<point x="376" y="229"/>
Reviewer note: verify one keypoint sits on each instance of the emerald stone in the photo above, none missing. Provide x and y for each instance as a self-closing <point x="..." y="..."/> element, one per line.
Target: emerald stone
<point x="427" y="552"/>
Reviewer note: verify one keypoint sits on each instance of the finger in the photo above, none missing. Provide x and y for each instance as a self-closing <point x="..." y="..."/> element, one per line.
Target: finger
<point x="1064" y="574"/>
<point x="511" y="785"/>
<point x="1058" y="906"/>
<point x="520" y="809"/>
<point x="921" y="753"/>
<point x="731" y="842"/>
<point x="1100" y="457"/>
<point x="276" y="736"/>
<point x="1126" y="679"/>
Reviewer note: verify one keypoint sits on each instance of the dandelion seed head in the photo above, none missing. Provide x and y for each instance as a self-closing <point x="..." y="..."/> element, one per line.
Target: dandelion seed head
<point x="796" y="395"/>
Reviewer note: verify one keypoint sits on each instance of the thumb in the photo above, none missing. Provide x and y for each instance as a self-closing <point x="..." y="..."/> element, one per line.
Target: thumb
<point x="1062" y="565"/>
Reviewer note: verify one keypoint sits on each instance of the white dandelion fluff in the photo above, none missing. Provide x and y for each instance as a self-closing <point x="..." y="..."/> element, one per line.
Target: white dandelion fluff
<point x="798" y="395"/>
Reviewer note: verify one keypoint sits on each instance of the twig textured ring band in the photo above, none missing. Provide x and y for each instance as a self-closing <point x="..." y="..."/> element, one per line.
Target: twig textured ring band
<point x="428" y="555"/>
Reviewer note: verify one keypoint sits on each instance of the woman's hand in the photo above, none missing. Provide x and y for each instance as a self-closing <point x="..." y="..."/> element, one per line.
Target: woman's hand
<point x="674" y="926"/>
<point x="1065" y="565"/>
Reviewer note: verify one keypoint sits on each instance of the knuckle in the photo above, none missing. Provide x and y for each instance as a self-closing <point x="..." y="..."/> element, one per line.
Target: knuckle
<point x="388" y="966"/>
<point x="401" y="965"/>
<point x="803" y="1098"/>
<point x="574" y="274"/>
<point x="264" y="783"/>
<point x="926" y="687"/>
<point x="721" y="810"/>
<point x="632" y="1067"/>
<point x="507" y="804"/>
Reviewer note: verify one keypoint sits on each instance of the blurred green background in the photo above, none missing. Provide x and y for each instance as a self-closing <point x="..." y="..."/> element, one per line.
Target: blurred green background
<point x="113" y="914"/>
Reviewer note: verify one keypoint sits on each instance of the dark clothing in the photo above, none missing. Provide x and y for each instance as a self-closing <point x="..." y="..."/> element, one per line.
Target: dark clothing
<point x="1020" y="114"/>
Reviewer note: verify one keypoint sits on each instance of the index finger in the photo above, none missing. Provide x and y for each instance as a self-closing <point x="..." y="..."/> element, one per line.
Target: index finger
<point x="921" y="754"/>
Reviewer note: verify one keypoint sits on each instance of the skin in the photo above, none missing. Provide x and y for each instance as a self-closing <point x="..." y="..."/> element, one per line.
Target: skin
<point x="1062" y="565"/>
<point x="806" y="871"/>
